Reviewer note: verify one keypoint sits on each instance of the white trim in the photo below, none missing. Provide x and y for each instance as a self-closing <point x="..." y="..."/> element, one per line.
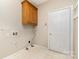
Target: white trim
<point x="72" y="52"/>
<point x="76" y="5"/>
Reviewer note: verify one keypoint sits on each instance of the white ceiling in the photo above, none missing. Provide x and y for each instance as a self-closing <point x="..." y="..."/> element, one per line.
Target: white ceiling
<point x="37" y="2"/>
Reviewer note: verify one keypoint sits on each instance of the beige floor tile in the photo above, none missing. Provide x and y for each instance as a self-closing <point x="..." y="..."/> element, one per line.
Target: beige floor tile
<point x="37" y="52"/>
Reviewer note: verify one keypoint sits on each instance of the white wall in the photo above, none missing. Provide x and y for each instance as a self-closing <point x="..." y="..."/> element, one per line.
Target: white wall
<point x="10" y="21"/>
<point x="42" y="30"/>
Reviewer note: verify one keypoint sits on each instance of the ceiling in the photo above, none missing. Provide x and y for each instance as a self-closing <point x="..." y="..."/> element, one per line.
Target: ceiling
<point x="37" y="2"/>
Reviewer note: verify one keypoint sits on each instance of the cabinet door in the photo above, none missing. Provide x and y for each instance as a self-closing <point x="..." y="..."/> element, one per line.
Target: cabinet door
<point x="25" y="13"/>
<point x="33" y="15"/>
<point x="30" y="14"/>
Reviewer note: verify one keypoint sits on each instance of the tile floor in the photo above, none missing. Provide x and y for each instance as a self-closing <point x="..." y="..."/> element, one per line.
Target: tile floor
<point x="37" y="52"/>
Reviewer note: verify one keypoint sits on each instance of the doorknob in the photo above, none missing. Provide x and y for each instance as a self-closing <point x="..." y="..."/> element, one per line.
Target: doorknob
<point x="50" y="33"/>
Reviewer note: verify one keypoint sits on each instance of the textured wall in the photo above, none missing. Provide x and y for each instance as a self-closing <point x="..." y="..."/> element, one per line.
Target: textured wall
<point x="10" y="21"/>
<point x="42" y="30"/>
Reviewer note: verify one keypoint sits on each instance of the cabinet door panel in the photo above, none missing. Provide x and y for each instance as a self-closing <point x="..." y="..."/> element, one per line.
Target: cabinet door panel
<point x="34" y="15"/>
<point x="25" y="13"/>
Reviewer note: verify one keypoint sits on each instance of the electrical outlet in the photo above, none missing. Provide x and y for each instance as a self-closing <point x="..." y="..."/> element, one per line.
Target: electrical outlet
<point x="15" y="33"/>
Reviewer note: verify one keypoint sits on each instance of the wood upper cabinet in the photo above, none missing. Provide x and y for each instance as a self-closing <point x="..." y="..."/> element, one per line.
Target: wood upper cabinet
<point x="29" y="13"/>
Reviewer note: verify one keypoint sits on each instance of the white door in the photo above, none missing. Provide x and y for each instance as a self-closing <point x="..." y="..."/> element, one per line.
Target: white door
<point x="59" y="31"/>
